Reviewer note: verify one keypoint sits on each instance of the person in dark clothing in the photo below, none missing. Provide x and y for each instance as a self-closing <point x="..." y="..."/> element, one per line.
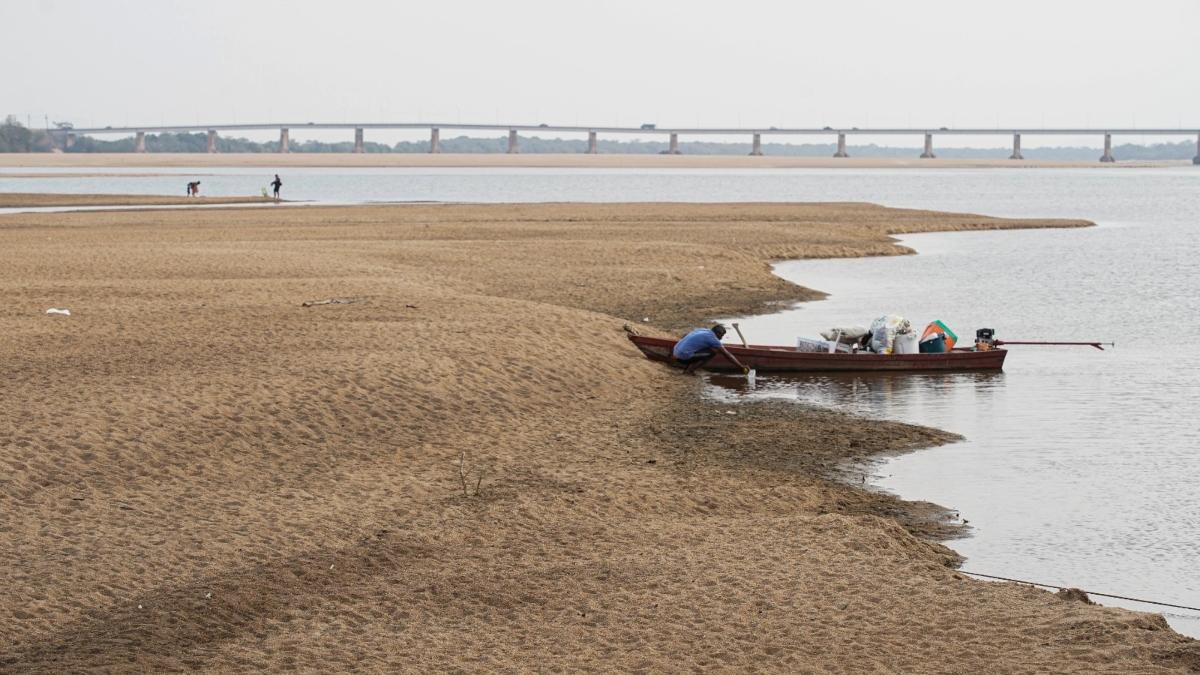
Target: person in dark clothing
<point x="276" y="184"/>
<point x="193" y="189"/>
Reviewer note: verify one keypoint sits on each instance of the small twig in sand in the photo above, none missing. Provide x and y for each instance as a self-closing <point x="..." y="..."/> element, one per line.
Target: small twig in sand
<point x="462" y="476"/>
<point x="330" y="301"/>
<point x="462" y="472"/>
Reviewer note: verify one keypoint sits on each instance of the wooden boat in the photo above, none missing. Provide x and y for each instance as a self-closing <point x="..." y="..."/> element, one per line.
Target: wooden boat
<point x="768" y="359"/>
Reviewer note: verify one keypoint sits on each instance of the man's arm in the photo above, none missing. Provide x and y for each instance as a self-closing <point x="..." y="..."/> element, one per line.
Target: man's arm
<point x="731" y="357"/>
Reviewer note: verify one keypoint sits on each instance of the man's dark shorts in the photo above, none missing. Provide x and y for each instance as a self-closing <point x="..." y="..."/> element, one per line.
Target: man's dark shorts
<point x="699" y="357"/>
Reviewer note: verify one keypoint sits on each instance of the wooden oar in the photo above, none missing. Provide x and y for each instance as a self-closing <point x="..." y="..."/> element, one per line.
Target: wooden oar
<point x="739" y="332"/>
<point x="1097" y="345"/>
<point x="750" y="374"/>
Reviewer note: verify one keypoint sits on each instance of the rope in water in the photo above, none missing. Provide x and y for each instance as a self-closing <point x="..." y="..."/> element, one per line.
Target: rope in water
<point x="1103" y="595"/>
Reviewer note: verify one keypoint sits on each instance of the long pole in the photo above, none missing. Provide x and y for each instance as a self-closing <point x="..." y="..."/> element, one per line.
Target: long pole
<point x="1103" y="595"/>
<point x="1097" y="345"/>
<point x="750" y="374"/>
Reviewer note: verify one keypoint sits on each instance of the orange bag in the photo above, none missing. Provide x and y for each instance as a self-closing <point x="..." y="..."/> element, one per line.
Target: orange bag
<point x="939" y="327"/>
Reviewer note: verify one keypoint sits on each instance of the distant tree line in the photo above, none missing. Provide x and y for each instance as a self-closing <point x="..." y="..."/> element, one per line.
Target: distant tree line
<point x="15" y="137"/>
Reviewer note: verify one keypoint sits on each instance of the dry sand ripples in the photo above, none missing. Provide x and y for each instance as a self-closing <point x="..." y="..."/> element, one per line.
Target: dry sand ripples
<point x="467" y="466"/>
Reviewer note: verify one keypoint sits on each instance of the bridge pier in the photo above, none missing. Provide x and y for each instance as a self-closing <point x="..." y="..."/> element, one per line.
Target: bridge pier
<point x="212" y="140"/>
<point x="673" y="149"/>
<point x="69" y="142"/>
<point x="841" y="151"/>
<point x="1107" y="157"/>
<point x="592" y="143"/>
<point x="1016" y="147"/>
<point x="1195" y="160"/>
<point x="756" y="146"/>
<point x="284" y="141"/>
<point x="435" y="141"/>
<point x="358" y="141"/>
<point x="139" y="142"/>
<point x="928" y="154"/>
<point x="513" y="147"/>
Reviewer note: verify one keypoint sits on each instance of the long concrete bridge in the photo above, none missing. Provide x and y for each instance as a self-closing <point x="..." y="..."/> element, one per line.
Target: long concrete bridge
<point x="673" y="133"/>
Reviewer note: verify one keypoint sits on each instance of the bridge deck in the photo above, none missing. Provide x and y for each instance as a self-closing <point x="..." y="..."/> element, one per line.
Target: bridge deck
<point x="682" y="131"/>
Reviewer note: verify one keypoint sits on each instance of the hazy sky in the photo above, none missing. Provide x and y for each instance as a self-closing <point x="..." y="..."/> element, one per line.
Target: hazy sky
<point x="859" y="63"/>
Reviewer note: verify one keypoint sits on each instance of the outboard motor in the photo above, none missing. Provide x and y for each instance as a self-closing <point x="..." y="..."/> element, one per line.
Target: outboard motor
<point x="985" y="339"/>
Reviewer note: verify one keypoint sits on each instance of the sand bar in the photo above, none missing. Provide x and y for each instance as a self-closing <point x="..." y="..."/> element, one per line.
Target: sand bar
<point x="37" y="199"/>
<point x="555" y="161"/>
<point x="90" y="174"/>
<point x="465" y="465"/>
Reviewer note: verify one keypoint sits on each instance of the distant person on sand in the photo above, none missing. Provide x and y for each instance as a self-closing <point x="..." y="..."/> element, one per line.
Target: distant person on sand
<point x="700" y="345"/>
<point x="193" y="189"/>
<point x="276" y="184"/>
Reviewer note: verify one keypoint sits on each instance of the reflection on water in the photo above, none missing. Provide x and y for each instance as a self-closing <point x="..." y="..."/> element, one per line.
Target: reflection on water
<point x="878" y="395"/>
<point x="1007" y="192"/>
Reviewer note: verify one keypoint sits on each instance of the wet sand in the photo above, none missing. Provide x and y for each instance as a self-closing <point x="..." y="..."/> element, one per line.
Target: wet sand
<point x="464" y="464"/>
<point x="36" y="199"/>
<point x="556" y="161"/>
<point x="91" y="174"/>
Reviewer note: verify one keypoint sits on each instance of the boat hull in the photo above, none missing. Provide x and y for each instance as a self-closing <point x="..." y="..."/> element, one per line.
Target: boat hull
<point x="767" y="359"/>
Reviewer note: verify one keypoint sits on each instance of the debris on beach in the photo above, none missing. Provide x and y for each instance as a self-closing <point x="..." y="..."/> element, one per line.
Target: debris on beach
<point x="1074" y="594"/>
<point x="330" y="301"/>
<point x="55" y="310"/>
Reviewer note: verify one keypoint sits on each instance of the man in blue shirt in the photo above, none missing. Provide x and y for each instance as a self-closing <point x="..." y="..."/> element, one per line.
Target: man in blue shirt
<point x="697" y="347"/>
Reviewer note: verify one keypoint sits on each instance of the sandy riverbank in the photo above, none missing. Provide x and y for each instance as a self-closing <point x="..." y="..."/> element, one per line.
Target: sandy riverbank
<point x="35" y="199"/>
<point x="92" y="174"/>
<point x="578" y="161"/>
<point x="468" y="465"/>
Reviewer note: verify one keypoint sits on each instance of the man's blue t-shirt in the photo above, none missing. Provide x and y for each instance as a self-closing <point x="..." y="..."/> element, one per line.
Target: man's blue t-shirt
<point x="697" y="340"/>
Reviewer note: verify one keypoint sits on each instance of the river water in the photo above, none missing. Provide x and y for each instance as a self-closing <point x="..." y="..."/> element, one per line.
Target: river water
<point x="1079" y="467"/>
